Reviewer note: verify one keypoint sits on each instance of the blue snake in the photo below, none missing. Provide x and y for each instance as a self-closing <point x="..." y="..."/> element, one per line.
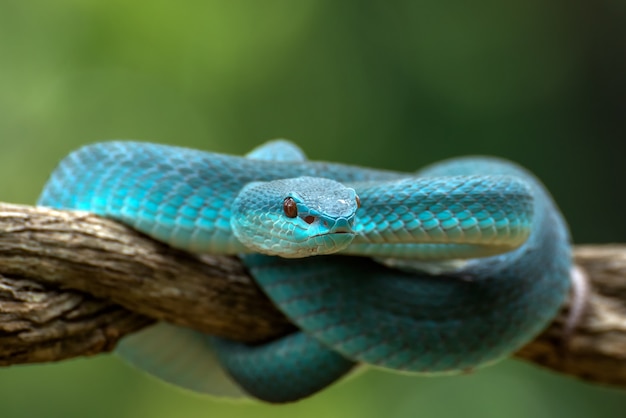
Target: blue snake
<point x="440" y="271"/>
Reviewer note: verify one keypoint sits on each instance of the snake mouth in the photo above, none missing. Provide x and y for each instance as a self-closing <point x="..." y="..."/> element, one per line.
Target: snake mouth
<point x="345" y="234"/>
<point x="336" y="240"/>
<point x="328" y="242"/>
<point x="328" y="239"/>
<point x="333" y="233"/>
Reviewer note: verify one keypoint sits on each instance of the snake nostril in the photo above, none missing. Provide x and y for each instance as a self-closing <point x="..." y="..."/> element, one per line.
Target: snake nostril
<point x="325" y="224"/>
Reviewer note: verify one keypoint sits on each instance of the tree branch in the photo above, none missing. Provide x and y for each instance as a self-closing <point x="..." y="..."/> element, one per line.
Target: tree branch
<point x="72" y="284"/>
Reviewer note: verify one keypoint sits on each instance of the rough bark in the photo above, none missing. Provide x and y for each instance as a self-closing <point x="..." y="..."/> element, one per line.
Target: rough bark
<point x="72" y="284"/>
<point x="596" y="349"/>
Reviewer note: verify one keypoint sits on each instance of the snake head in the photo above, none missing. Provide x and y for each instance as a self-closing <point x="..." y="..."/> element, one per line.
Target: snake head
<point x="296" y="217"/>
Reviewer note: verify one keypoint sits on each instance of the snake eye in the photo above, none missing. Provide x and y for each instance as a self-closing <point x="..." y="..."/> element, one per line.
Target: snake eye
<point x="290" y="208"/>
<point x="358" y="202"/>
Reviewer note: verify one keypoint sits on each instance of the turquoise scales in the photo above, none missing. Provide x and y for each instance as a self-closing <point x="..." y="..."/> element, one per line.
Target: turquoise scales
<point x="484" y="252"/>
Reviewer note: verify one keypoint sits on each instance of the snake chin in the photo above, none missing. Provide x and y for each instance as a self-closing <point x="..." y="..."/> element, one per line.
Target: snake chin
<point x="320" y="244"/>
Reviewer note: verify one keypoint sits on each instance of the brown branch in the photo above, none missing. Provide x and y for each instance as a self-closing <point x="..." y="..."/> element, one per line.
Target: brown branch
<point x="73" y="284"/>
<point x="596" y="349"/>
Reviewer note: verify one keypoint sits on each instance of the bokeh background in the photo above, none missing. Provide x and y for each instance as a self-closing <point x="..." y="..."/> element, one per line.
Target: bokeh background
<point x="394" y="84"/>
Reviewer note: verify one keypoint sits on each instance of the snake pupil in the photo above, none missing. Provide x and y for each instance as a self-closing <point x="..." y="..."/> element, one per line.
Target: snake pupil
<point x="290" y="208"/>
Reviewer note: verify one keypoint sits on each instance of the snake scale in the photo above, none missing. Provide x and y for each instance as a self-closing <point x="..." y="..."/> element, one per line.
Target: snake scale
<point x="440" y="271"/>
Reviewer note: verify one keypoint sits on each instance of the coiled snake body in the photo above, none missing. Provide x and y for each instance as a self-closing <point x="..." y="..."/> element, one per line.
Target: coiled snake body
<point x="441" y="271"/>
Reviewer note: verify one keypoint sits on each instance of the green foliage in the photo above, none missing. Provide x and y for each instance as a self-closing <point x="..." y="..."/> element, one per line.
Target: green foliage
<point x="390" y="84"/>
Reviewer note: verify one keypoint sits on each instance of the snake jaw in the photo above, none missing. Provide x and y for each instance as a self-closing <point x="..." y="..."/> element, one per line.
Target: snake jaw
<point x="323" y="244"/>
<point x="323" y="236"/>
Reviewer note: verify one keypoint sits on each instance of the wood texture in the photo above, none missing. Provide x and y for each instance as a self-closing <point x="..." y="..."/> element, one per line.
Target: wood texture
<point x="596" y="349"/>
<point x="73" y="284"/>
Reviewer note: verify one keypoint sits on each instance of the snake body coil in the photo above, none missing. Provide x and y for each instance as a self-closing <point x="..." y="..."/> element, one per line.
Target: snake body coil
<point x="480" y="258"/>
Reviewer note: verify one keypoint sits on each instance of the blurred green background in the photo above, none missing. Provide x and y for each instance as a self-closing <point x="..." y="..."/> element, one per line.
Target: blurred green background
<point x="389" y="84"/>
